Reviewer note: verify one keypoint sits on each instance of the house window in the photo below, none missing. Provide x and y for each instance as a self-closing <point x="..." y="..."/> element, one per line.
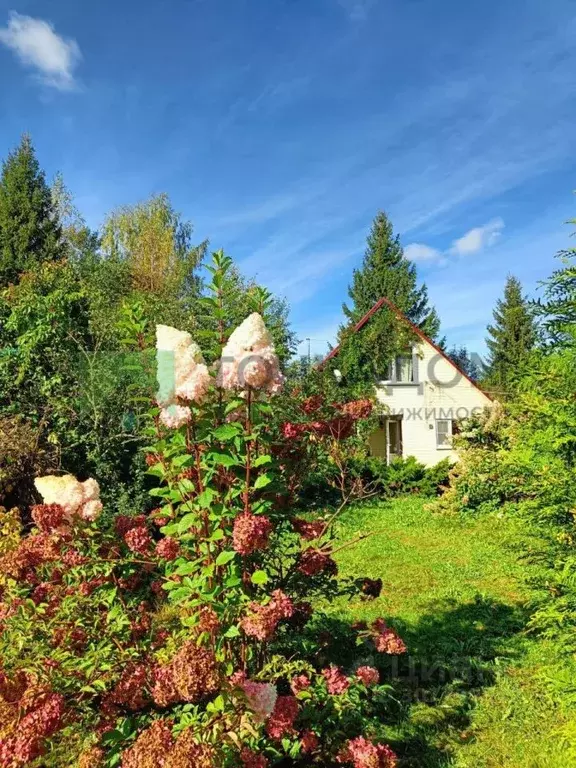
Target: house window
<point x="445" y="431"/>
<point x="401" y="370"/>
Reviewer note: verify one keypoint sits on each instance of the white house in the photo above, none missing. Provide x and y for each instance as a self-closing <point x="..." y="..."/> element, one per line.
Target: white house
<point x="426" y="395"/>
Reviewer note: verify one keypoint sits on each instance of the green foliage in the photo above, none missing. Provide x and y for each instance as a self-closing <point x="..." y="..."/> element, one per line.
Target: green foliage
<point x="402" y="476"/>
<point x="511" y="338"/>
<point x="470" y="364"/>
<point x="385" y="272"/>
<point x="30" y="232"/>
<point x="558" y="310"/>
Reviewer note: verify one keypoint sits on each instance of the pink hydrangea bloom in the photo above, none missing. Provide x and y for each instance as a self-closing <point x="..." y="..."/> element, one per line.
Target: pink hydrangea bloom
<point x="386" y="640"/>
<point x="252" y="759"/>
<point x="313" y="561"/>
<point x="251" y="533"/>
<point x="168" y="548"/>
<point x="261" y="697"/>
<point x="309" y="530"/>
<point x="262" y="620"/>
<point x="281" y="721"/>
<point x="368" y="675"/>
<point x="299" y="683"/>
<point x="138" y="540"/>
<point x="309" y="742"/>
<point x="175" y="416"/>
<point x="364" y="754"/>
<point x="336" y="680"/>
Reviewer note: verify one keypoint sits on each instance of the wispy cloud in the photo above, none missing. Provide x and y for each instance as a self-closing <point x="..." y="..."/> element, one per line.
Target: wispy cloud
<point x="478" y="238"/>
<point x="38" y="46"/>
<point x="474" y="241"/>
<point x="421" y="253"/>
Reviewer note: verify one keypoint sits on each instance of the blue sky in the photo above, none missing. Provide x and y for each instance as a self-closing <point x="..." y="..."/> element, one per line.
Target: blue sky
<point x="280" y="127"/>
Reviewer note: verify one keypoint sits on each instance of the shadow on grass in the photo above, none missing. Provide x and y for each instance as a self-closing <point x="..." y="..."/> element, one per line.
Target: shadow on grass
<point x="452" y="655"/>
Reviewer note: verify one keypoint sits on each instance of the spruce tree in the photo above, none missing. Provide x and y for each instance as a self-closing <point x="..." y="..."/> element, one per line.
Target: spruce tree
<point x="558" y="310"/>
<point x="385" y="272"/>
<point x="511" y="337"/>
<point x="29" y="228"/>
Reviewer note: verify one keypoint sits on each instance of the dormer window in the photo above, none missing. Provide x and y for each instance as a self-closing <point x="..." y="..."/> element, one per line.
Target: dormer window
<point x="401" y="369"/>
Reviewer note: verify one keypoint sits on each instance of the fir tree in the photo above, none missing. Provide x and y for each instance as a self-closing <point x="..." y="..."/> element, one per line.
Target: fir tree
<point x="385" y="272"/>
<point x="511" y="337"/>
<point x="29" y="229"/>
<point x="558" y="309"/>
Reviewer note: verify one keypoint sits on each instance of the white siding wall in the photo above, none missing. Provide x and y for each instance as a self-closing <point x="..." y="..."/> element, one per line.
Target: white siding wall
<point x="441" y="393"/>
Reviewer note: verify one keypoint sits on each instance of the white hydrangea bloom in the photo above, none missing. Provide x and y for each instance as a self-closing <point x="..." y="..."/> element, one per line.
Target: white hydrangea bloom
<point x="181" y="368"/>
<point x="72" y="495"/>
<point x="249" y="359"/>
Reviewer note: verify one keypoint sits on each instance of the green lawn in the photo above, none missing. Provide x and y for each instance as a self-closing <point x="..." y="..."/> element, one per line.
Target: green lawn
<point x="472" y="690"/>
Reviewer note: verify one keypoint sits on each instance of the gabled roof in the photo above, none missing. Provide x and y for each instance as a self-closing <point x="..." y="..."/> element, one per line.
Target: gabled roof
<point x="421" y="335"/>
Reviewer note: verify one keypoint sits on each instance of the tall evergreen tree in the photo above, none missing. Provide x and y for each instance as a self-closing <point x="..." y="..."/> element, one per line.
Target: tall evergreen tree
<point x="385" y="272"/>
<point x="558" y="309"/>
<point x="30" y="232"/>
<point x="511" y="337"/>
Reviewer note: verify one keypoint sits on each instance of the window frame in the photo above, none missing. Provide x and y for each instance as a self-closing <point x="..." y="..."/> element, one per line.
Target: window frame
<point x="449" y="435"/>
<point x="394" y="366"/>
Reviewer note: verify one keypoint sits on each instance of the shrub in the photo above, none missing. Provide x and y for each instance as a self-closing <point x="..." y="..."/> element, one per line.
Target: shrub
<point x="169" y="639"/>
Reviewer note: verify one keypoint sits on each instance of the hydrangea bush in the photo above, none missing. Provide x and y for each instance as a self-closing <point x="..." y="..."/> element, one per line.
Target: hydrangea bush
<point x="168" y="639"/>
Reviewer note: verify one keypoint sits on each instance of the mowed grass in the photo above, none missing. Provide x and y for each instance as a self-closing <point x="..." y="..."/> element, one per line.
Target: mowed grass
<point x="473" y="690"/>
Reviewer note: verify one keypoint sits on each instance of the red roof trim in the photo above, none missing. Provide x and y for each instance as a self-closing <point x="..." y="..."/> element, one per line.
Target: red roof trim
<point x="385" y="301"/>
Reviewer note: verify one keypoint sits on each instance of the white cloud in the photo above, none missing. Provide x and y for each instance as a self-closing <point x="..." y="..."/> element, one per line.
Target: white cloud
<point x="37" y="45"/>
<point x="418" y="252"/>
<point x="478" y="238"/>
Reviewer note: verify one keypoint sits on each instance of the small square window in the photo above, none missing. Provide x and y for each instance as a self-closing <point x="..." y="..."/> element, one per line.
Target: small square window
<point x="444" y="433"/>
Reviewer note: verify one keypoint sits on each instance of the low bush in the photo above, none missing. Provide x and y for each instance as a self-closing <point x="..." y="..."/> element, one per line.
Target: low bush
<point x="172" y="639"/>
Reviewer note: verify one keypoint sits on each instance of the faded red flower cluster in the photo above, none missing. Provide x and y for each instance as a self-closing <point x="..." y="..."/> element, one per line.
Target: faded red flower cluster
<point x="364" y="754"/>
<point x="138" y="540"/>
<point x="368" y="675"/>
<point x="36" y="714"/>
<point x="309" y="530"/>
<point x="281" y="721"/>
<point x="130" y="690"/>
<point x="336" y="680"/>
<point x="299" y="683"/>
<point x="313" y="561"/>
<point x="262" y="620"/>
<point x="191" y="675"/>
<point x="386" y="640"/>
<point x="357" y="409"/>
<point x="48" y="517"/>
<point x="251" y="759"/>
<point x="309" y="742"/>
<point x="168" y="548"/>
<point x="251" y="533"/>
<point x="312" y="404"/>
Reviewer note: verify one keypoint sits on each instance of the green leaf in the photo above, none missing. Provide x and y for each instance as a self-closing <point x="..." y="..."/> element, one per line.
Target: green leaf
<point x="223" y="459"/>
<point x="187" y="522"/>
<point x="183" y="461"/>
<point x="261" y="460"/>
<point x="226" y="431"/>
<point x="259" y="577"/>
<point x="205" y="499"/>
<point x="225" y="557"/>
<point x="262" y="481"/>
<point x="232" y="632"/>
